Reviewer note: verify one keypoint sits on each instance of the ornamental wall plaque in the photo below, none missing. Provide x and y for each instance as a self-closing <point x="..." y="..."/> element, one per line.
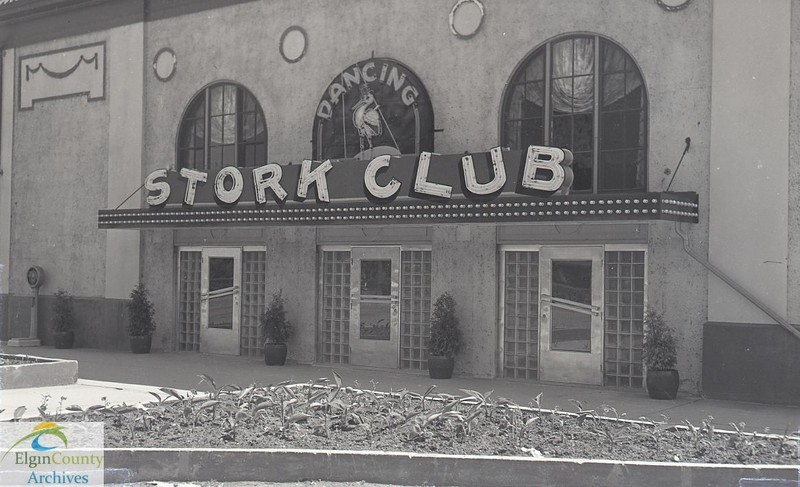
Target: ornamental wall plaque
<point x="164" y="64"/>
<point x="466" y="18"/>
<point x="64" y="72"/>
<point x="294" y="43"/>
<point x="673" y="5"/>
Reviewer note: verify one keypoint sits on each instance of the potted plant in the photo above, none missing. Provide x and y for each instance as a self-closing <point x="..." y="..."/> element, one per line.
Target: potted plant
<point x="275" y="329"/>
<point x="63" y="320"/>
<point x="660" y="357"/>
<point x="140" y="319"/>
<point x="445" y="340"/>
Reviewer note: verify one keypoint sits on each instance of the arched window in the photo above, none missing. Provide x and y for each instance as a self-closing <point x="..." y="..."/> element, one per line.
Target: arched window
<point x="586" y="94"/>
<point x="223" y="126"/>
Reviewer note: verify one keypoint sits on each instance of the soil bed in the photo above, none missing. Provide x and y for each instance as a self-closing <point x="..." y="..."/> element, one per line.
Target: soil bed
<point x="319" y="416"/>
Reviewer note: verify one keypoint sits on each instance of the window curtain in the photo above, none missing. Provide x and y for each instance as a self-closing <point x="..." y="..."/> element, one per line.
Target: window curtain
<point x="223" y="116"/>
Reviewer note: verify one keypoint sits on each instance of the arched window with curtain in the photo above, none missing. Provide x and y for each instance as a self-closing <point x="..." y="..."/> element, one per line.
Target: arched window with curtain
<point x="222" y="126"/>
<point x="586" y="94"/>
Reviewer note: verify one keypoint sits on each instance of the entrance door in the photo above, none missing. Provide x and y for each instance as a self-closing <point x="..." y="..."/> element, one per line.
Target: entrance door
<point x="571" y="318"/>
<point x="220" y="291"/>
<point x="374" y="306"/>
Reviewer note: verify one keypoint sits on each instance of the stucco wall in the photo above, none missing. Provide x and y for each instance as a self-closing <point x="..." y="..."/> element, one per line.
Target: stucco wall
<point x="64" y="150"/>
<point x="750" y="136"/>
<point x="158" y="272"/>
<point x="464" y="263"/>
<point x="793" y="289"/>
<point x="59" y="181"/>
<point x="465" y="80"/>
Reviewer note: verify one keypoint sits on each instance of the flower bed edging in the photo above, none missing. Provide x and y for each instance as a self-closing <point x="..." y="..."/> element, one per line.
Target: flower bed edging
<point x="43" y="372"/>
<point x="283" y="465"/>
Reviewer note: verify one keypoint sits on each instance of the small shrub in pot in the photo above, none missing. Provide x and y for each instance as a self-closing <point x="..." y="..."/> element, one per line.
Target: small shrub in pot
<point x="63" y="320"/>
<point x="141" y="323"/>
<point x="660" y="356"/>
<point x="445" y="341"/>
<point x="276" y="329"/>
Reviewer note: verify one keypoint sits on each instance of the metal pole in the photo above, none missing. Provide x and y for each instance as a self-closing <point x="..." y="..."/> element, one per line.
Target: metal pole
<point x="35" y="315"/>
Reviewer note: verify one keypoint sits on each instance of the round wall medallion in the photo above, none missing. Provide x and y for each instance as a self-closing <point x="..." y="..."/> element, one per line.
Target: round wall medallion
<point x="164" y="64"/>
<point x="466" y="18"/>
<point x="673" y="5"/>
<point x="294" y="42"/>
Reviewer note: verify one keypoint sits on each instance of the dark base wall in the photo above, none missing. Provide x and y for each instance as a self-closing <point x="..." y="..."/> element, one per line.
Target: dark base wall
<point x="757" y="363"/>
<point x="99" y="322"/>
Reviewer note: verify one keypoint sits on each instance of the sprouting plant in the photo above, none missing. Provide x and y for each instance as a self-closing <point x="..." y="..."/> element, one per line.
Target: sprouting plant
<point x="786" y="443"/>
<point x="427" y="393"/>
<point x="85" y="413"/>
<point x="19" y="412"/>
<point x="740" y="438"/>
<point x="606" y="409"/>
<point x="43" y="407"/>
<point x="708" y="427"/>
<point x="537" y="403"/>
<point x="582" y="412"/>
<point x="60" y="407"/>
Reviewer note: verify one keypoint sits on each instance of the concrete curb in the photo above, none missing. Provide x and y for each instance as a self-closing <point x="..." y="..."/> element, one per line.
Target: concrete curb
<point x="43" y="373"/>
<point x="279" y="465"/>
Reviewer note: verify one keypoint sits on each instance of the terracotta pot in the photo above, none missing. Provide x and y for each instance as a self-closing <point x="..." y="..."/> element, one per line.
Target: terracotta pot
<point x="440" y="367"/>
<point x="141" y="343"/>
<point x="663" y="384"/>
<point x="63" y="339"/>
<point x="275" y="353"/>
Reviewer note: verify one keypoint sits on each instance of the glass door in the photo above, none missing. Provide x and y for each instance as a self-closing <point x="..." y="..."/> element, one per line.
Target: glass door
<point x="220" y="292"/>
<point x="374" y="306"/>
<point x="571" y="320"/>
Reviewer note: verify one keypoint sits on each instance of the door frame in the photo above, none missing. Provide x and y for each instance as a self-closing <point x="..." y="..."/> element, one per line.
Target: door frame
<point x="571" y="366"/>
<point x="501" y="289"/>
<point x="376" y="252"/>
<point x="229" y="340"/>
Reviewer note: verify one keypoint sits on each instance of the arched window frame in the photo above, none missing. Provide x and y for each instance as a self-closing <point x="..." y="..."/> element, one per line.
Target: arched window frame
<point x="597" y="146"/>
<point x="209" y="155"/>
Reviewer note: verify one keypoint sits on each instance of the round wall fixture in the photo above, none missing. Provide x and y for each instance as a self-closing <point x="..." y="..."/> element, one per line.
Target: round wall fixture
<point x="673" y="5"/>
<point x="164" y="64"/>
<point x="294" y="42"/>
<point x="466" y="18"/>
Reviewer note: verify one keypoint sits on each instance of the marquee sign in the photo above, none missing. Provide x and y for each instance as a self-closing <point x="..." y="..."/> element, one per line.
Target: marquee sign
<point x="497" y="186"/>
<point x="377" y="106"/>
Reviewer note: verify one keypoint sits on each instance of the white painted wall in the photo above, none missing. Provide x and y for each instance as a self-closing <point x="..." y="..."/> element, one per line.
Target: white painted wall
<point x="6" y="143"/>
<point x="749" y="156"/>
<point x="126" y="95"/>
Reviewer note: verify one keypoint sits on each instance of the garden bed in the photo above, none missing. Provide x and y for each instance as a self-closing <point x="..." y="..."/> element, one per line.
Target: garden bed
<point x="333" y="417"/>
<point x="20" y="371"/>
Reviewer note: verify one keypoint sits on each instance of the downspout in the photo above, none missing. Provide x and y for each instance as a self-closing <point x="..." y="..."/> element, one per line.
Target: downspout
<point x="733" y="284"/>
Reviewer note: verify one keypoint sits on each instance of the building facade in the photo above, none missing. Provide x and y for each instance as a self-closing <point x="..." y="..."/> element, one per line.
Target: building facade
<point x="97" y="97"/>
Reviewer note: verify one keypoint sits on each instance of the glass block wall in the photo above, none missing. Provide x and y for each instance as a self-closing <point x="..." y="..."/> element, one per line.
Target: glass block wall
<point x="334" y="332"/>
<point x="624" y="316"/>
<point x="189" y="301"/>
<point x="415" y="308"/>
<point x="521" y="315"/>
<point x="254" y="301"/>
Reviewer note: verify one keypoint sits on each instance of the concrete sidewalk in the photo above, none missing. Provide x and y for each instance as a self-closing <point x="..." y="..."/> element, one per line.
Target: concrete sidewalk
<point x="180" y="370"/>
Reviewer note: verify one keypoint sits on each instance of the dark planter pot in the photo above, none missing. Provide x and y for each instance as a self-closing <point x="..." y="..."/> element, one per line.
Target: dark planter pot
<point x="663" y="384"/>
<point x="63" y="339"/>
<point x="275" y="353"/>
<point x="440" y="367"/>
<point x="141" y="344"/>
